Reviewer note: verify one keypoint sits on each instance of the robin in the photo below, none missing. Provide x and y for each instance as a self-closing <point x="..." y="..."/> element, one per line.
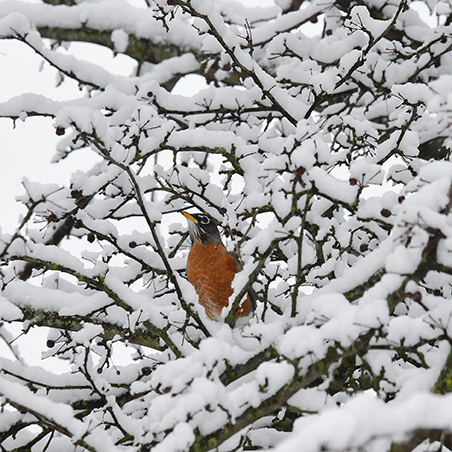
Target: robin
<point x="211" y="269"/>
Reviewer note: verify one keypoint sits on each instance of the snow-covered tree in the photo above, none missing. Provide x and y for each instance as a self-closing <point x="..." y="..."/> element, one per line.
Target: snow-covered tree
<point x="322" y="152"/>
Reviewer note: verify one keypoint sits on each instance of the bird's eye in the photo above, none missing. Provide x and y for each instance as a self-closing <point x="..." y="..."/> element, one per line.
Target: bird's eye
<point x="204" y="219"/>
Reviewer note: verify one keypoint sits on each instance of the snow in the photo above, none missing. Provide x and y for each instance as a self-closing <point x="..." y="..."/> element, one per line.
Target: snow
<point x="14" y="23"/>
<point x="179" y="439"/>
<point x="9" y="311"/>
<point x="348" y="60"/>
<point x="273" y="376"/>
<point x="120" y="40"/>
<point x="68" y="304"/>
<point x="361" y="17"/>
<point x="345" y="426"/>
<point x="87" y="333"/>
<point x="403" y="260"/>
<point x="331" y="186"/>
<point x="412" y="92"/>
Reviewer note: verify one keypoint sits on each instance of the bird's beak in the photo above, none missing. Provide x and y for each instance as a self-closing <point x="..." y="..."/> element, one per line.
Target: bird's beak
<point x="190" y="217"/>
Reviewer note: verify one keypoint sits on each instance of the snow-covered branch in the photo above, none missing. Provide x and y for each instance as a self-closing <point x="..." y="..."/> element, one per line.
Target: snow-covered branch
<point x="321" y="153"/>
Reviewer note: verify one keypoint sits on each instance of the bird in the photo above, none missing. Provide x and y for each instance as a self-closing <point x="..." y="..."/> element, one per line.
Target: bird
<point x="211" y="268"/>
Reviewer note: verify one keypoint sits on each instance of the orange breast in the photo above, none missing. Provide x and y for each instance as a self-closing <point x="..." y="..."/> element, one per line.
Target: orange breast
<point x="211" y="269"/>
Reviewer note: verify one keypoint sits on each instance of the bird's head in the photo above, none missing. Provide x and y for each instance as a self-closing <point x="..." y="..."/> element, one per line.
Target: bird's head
<point x="202" y="228"/>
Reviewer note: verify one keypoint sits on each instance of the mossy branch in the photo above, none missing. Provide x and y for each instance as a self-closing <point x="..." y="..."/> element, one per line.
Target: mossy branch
<point x="51" y="319"/>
